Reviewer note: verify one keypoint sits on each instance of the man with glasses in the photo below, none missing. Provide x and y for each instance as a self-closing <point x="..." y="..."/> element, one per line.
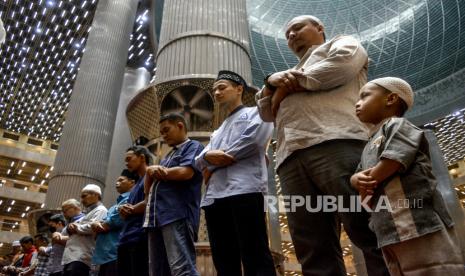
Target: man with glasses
<point x="81" y="242"/>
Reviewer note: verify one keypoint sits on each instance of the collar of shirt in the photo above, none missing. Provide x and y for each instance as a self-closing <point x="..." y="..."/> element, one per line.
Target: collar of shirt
<point x="374" y="128"/>
<point x="92" y="207"/>
<point x="309" y="52"/>
<point x="178" y="146"/>
<point x="122" y="196"/>
<point x="73" y="219"/>
<point x="236" y="110"/>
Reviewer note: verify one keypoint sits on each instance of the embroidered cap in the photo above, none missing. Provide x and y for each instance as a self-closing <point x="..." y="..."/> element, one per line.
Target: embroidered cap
<point x="232" y="76"/>
<point x="397" y="86"/>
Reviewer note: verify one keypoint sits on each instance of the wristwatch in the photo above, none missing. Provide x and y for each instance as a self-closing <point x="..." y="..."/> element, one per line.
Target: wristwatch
<point x="269" y="85"/>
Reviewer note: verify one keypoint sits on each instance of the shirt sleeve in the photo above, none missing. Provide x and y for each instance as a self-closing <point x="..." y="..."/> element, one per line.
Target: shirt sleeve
<point x="264" y="107"/>
<point x="200" y="162"/>
<point x="346" y="58"/>
<point x="48" y="250"/>
<point x="253" y="138"/>
<point x="85" y="228"/>
<point x="403" y="140"/>
<point x="113" y="219"/>
<point x="189" y="154"/>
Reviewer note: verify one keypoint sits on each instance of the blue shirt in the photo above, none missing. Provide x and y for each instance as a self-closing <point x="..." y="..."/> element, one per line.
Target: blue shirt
<point x="245" y="136"/>
<point x="107" y="243"/>
<point x="132" y="229"/>
<point x="170" y="201"/>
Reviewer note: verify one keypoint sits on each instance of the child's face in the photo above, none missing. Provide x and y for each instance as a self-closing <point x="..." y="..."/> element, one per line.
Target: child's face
<point x="371" y="106"/>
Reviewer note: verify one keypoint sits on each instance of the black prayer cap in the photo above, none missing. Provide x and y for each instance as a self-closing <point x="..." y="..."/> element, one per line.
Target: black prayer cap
<point x="234" y="77"/>
<point x="130" y="175"/>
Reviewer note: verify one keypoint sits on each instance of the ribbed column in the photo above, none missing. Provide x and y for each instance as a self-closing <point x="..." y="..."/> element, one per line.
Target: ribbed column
<point x="134" y="81"/>
<point x="85" y="145"/>
<point x="201" y="37"/>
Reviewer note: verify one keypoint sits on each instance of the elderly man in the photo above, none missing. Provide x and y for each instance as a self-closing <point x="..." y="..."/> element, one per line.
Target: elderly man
<point x="320" y="141"/>
<point x="80" y="245"/>
<point x="71" y="210"/>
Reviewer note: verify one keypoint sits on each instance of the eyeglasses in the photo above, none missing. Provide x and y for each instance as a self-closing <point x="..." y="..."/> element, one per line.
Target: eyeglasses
<point x="64" y="210"/>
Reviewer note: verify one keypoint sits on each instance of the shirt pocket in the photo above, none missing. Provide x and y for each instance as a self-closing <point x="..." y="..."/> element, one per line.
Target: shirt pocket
<point x="237" y="129"/>
<point x="172" y="161"/>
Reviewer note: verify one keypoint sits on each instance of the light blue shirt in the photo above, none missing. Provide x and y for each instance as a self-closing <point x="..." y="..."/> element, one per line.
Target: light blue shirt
<point x="244" y="136"/>
<point x="107" y="243"/>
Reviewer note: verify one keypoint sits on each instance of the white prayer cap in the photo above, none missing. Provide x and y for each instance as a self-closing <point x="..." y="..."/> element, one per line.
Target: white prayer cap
<point x="92" y="188"/>
<point x="16" y="243"/>
<point x="397" y="86"/>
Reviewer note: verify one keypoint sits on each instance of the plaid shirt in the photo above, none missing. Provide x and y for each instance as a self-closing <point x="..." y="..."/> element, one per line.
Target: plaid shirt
<point x="41" y="268"/>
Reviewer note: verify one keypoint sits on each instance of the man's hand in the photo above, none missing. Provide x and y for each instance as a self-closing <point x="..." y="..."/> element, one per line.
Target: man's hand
<point x="286" y="79"/>
<point x="277" y="98"/>
<point x="206" y="175"/>
<point x="363" y="182"/>
<point x="126" y="210"/>
<point x="157" y="172"/>
<point x="72" y="228"/>
<point x="219" y="158"/>
<point x="42" y="251"/>
<point x="56" y="237"/>
<point x="98" y="227"/>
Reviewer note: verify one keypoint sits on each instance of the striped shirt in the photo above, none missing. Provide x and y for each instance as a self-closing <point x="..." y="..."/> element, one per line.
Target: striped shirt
<point x="334" y="72"/>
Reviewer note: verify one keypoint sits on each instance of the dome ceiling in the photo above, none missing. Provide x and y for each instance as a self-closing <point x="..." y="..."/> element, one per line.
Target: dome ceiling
<point x="421" y="41"/>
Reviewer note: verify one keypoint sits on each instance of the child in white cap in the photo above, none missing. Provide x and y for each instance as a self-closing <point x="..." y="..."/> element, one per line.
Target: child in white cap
<point x="414" y="229"/>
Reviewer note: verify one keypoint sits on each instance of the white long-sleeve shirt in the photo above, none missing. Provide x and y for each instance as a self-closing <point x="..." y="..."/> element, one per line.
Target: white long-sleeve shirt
<point x="334" y="73"/>
<point x="244" y="136"/>
<point x="80" y="246"/>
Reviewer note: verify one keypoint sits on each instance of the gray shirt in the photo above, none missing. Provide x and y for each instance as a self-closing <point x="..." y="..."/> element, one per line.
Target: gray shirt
<point x="244" y="136"/>
<point x="334" y="73"/>
<point x="80" y="246"/>
<point x="417" y="205"/>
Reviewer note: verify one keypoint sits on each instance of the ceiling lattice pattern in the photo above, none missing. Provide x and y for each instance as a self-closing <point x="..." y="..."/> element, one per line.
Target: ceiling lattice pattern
<point x="40" y="59"/>
<point x="421" y="41"/>
<point x="450" y="132"/>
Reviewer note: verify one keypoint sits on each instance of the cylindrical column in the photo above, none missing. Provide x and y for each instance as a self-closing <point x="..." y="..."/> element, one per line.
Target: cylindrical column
<point x="85" y="145"/>
<point x="134" y="80"/>
<point x="200" y="37"/>
<point x="447" y="190"/>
